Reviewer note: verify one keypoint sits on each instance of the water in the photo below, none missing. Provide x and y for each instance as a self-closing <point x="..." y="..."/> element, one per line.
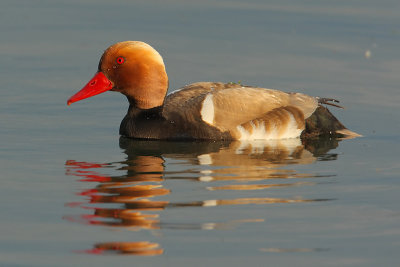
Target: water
<point x="74" y="193"/>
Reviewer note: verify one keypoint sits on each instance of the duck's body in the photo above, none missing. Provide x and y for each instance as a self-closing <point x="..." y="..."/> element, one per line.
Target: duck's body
<point x="202" y="110"/>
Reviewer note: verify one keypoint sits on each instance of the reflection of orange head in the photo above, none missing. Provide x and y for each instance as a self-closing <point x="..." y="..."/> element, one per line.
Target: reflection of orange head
<point x="145" y="168"/>
<point x="117" y="193"/>
<point x="143" y="248"/>
<point x="124" y="190"/>
<point x="146" y="164"/>
<point x="125" y="217"/>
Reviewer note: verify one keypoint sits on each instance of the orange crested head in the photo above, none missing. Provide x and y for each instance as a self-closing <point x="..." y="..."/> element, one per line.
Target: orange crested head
<point x="132" y="68"/>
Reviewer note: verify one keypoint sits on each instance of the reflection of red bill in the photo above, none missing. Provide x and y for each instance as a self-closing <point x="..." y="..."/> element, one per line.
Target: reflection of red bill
<point x="84" y="165"/>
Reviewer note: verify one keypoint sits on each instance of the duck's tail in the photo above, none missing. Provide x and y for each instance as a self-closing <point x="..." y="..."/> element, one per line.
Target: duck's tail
<point x="323" y="123"/>
<point x="347" y="134"/>
<point x="329" y="101"/>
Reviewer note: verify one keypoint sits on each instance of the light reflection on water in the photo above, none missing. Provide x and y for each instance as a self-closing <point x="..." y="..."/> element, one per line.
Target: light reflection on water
<point x="132" y="200"/>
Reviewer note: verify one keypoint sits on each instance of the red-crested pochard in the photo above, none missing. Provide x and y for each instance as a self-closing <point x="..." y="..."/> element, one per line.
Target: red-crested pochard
<point x="204" y="110"/>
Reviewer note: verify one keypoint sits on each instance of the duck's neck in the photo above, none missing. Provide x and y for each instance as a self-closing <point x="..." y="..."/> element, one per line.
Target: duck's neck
<point x="149" y="89"/>
<point x="135" y="113"/>
<point x="141" y="123"/>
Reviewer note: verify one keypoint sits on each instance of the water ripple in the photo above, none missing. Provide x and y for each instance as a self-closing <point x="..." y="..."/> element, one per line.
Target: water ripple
<point x="134" y="198"/>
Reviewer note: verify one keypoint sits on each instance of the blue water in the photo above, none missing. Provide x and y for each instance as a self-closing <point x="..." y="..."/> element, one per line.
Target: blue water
<point x="74" y="193"/>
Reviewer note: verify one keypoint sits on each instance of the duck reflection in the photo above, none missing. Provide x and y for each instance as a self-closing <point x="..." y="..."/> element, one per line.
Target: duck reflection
<point x="134" y="199"/>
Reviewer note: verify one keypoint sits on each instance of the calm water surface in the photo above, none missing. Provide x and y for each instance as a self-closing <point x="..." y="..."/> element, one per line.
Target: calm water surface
<point x="73" y="193"/>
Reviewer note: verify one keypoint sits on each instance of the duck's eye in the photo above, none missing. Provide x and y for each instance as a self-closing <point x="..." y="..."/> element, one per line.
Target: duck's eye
<point x="120" y="60"/>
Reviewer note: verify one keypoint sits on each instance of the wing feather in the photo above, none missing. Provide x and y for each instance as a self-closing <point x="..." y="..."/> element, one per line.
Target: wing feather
<point x="232" y="104"/>
<point x="235" y="106"/>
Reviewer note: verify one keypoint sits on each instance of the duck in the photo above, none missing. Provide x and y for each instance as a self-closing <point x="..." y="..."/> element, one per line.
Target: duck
<point x="204" y="110"/>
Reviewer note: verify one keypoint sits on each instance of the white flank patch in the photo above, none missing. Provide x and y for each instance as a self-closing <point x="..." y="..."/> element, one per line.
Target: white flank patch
<point x="292" y="130"/>
<point x="207" y="110"/>
<point x="257" y="133"/>
<point x="260" y="132"/>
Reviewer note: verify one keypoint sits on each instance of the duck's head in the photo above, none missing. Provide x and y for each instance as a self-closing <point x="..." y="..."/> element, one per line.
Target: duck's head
<point x="133" y="68"/>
